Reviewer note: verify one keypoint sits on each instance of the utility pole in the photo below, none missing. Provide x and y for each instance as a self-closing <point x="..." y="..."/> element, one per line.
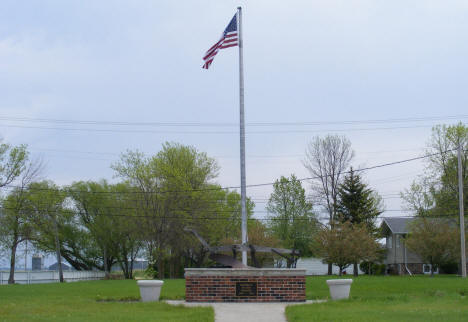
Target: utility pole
<point x="462" y="215"/>
<point x="26" y="257"/>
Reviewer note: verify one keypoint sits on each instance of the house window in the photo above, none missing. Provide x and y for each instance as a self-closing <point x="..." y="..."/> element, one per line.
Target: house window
<point x="397" y="241"/>
<point x="389" y="241"/>
<point x="427" y="269"/>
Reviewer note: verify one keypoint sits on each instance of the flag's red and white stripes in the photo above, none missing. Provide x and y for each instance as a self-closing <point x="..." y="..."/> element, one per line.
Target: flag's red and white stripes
<point x="229" y="38"/>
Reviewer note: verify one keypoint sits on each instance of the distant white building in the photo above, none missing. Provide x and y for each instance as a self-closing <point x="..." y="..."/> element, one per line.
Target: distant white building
<point x="314" y="266"/>
<point x="37" y="262"/>
<point x="138" y="264"/>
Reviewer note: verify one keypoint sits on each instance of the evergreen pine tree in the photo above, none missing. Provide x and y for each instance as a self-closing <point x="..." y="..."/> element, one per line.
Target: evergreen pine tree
<point x="358" y="204"/>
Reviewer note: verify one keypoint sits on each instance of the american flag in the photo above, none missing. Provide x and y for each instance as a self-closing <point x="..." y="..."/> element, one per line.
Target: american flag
<point x="229" y="38"/>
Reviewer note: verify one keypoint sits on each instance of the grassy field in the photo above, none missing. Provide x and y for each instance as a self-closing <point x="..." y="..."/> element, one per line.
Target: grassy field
<point x="388" y="298"/>
<point x="94" y="301"/>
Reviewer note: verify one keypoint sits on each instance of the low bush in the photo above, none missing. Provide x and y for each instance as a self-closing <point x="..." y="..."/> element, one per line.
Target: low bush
<point x="114" y="277"/>
<point x="375" y="268"/>
<point x="151" y="272"/>
<point x="449" y="268"/>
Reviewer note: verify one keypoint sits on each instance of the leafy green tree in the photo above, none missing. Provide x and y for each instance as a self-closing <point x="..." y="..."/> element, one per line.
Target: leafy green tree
<point x="436" y="192"/>
<point x="436" y="240"/>
<point x="174" y="190"/>
<point x="444" y="166"/>
<point x="171" y="186"/>
<point x="56" y="227"/>
<point x="91" y="201"/>
<point x="127" y="238"/>
<point x="108" y="213"/>
<point x="345" y="244"/>
<point x="419" y="198"/>
<point x="15" y="226"/>
<point x="45" y="205"/>
<point x="292" y="219"/>
<point x="13" y="161"/>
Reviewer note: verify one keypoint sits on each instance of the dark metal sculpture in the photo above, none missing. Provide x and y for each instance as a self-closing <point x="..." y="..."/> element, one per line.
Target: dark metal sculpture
<point x="291" y="255"/>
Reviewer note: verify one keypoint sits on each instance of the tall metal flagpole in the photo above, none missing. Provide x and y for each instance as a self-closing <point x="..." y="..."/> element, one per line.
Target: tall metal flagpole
<point x="462" y="215"/>
<point x="242" y="136"/>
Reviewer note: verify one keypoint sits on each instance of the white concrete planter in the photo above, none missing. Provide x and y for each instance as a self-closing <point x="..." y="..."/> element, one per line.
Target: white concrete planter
<point x="339" y="289"/>
<point x="150" y="290"/>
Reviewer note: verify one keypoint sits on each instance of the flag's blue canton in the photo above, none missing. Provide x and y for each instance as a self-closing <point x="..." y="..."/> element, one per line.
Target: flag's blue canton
<point x="232" y="26"/>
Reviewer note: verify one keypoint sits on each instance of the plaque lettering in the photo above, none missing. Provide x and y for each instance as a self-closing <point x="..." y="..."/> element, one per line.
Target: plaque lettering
<point x="246" y="288"/>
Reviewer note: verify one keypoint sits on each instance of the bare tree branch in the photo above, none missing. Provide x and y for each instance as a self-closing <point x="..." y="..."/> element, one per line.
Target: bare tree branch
<point x="327" y="158"/>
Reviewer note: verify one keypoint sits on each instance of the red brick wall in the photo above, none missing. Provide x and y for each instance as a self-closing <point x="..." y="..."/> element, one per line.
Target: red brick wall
<point x="223" y="288"/>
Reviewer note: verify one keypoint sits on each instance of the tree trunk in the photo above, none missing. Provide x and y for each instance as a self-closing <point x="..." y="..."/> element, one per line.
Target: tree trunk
<point x="161" y="268"/>
<point x="11" y="278"/>
<point x="178" y="267"/>
<point x="160" y="261"/>
<point x="76" y="264"/>
<point x="110" y="263"/>
<point x="355" y="269"/>
<point x="130" y="274"/>
<point x="171" y="268"/>
<point x="340" y="269"/>
<point x="124" y="266"/>
<point x="57" y="251"/>
<point x="106" y="266"/>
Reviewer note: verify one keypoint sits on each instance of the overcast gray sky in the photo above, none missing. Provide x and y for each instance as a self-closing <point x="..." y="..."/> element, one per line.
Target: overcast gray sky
<point x="305" y="61"/>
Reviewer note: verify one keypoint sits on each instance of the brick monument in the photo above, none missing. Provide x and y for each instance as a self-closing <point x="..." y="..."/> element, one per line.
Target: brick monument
<point x="244" y="285"/>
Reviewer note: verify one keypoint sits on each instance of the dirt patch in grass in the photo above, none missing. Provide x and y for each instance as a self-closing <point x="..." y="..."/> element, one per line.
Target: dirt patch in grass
<point x="128" y="299"/>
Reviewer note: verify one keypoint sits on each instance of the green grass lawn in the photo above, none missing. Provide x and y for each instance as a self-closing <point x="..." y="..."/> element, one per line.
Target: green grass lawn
<point x="94" y="301"/>
<point x="388" y="298"/>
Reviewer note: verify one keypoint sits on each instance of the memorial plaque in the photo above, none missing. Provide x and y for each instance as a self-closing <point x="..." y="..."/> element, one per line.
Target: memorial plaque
<point x="246" y="288"/>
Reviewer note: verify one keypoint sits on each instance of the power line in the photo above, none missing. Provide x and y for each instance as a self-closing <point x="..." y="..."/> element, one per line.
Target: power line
<point x="252" y="185"/>
<point x="172" y="216"/>
<point x="397" y="177"/>
<point x="198" y="207"/>
<point x="211" y="132"/>
<point x="230" y="124"/>
<point x="253" y="156"/>
<point x="185" y="217"/>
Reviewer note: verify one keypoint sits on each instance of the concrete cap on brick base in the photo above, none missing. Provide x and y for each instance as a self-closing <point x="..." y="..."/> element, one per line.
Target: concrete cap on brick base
<point x="244" y="272"/>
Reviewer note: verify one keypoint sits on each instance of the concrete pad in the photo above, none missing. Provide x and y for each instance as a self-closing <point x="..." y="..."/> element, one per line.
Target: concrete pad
<point x="247" y="312"/>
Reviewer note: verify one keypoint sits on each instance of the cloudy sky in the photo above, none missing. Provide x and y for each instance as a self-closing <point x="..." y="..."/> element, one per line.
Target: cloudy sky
<point x="81" y="80"/>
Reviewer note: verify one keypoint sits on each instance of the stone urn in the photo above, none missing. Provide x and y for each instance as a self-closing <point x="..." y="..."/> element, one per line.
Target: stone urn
<point x="150" y="290"/>
<point x="339" y="289"/>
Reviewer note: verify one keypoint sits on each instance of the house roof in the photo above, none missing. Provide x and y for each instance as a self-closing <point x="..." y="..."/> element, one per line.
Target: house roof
<point x="401" y="225"/>
<point x="398" y="225"/>
<point x="55" y="266"/>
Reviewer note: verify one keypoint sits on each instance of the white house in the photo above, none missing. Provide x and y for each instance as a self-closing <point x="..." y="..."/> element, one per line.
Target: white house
<point x="314" y="266"/>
